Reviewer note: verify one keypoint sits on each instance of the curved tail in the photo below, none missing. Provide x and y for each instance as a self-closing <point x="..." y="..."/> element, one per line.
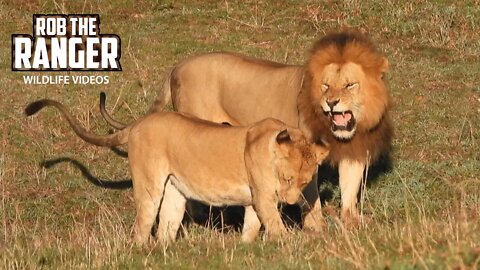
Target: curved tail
<point x="112" y="122"/>
<point x="162" y="99"/>
<point x="115" y="139"/>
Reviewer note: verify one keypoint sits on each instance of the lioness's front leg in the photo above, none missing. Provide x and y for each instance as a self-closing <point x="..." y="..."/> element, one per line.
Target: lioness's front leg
<point x="350" y="174"/>
<point x="251" y="225"/>
<point x="312" y="207"/>
<point x="266" y="207"/>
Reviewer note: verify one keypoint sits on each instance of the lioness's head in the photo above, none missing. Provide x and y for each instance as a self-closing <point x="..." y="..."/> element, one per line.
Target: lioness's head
<point x="346" y="83"/>
<point x="295" y="162"/>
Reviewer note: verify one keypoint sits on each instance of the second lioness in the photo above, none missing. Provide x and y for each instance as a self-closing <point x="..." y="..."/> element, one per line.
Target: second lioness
<point x="174" y="157"/>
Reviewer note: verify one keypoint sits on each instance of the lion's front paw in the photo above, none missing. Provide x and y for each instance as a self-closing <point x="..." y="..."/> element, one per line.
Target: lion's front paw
<point x="350" y="219"/>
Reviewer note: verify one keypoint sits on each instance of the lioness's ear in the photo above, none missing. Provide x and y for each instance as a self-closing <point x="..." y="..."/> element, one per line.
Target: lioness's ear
<point x="283" y="137"/>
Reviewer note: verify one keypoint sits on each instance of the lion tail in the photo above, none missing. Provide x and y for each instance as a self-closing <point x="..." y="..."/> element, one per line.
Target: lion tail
<point x="116" y="139"/>
<point x="164" y="96"/>
<point x="112" y="122"/>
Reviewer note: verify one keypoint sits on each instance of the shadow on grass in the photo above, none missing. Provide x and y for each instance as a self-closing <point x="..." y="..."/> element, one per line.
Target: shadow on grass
<point x="121" y="184"/>
<point x="329" y="175"/>
<point x="119" y="152"/>
<point x="223" y="219"/>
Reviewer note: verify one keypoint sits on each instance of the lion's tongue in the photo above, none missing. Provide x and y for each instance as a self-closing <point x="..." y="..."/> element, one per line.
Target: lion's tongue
<point x="341" y="119"/>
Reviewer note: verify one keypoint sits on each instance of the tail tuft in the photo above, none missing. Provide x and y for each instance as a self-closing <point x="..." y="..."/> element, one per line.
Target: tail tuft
<point x="103" y="98"/>
<point x="34" y="107"/>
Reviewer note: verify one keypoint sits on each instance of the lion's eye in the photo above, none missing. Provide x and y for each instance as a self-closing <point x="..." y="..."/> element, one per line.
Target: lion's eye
<point x="324" y="87"/>
<point x="351" y="86"/>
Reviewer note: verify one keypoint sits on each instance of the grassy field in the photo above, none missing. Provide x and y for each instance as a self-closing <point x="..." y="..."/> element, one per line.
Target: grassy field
<point x="423" y="213"/>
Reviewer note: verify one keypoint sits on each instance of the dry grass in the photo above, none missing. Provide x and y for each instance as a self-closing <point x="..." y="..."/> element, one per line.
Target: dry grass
<point x="424" y="213"/>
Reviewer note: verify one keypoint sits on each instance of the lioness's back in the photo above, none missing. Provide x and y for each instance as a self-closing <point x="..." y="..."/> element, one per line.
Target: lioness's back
<point x="173" y="129"/>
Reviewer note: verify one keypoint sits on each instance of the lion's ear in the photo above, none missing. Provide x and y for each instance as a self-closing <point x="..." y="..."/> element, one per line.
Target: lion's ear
<point x="383" y="67"/>
<point x="321" y="153"/>
<point x="283" y="137"/>
<point x="322" y="149"/>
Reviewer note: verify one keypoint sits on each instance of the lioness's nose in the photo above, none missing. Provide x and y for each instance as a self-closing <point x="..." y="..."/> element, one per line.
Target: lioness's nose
<point x="332" y="104"/>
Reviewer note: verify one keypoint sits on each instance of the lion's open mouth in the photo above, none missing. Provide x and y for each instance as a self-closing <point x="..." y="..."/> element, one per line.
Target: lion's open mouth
<point x="342" y="120"/>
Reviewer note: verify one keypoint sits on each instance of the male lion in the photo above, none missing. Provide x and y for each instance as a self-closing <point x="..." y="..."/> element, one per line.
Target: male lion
<point x="339" y="96"/>
<point x="174" y="157"/>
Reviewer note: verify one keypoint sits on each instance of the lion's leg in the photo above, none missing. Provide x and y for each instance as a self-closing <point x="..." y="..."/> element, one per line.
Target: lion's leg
<point x="350" y="174"/>
<point x="311" y="207"/>
<point x="251" y="225"/>
<point x="171" y="213"/>
<point x="147" y="195"/>
<point x="267" y="211"/>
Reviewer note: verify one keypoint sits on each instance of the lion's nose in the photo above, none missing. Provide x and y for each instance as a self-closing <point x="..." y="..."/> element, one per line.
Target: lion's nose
<point x="332" y="104"/>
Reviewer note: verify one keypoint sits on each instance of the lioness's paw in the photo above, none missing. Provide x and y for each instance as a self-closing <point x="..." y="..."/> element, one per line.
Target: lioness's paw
<point x="275" y="235"/>
<point x="277" y="239"/>
<point x="314" y="223"/>
<point x="315" y="227"/>
<point x="248" y="238"/>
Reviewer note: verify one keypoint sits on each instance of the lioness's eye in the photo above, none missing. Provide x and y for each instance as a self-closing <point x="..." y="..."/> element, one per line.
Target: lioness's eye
<point x="324" y="87"/>
<point x="289" y="180"/>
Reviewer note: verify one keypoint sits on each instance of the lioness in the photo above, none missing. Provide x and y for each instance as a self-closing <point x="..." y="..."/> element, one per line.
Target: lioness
<point x="338" y="95"/>
<point x="174" y="157"/>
